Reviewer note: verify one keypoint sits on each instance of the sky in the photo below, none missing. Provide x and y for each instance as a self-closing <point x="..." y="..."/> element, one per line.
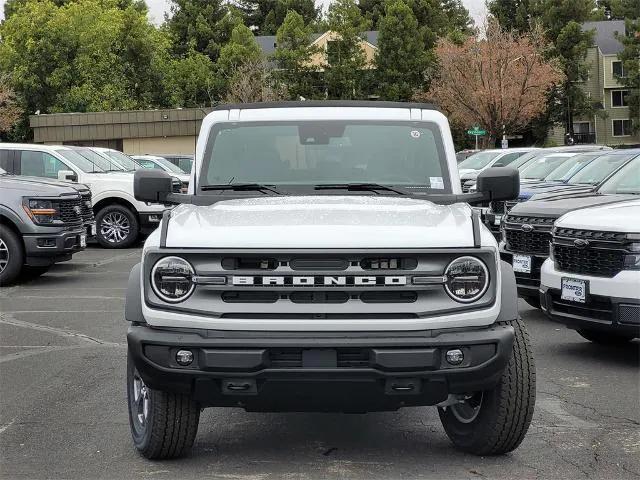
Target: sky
<point x="157" y="8"/>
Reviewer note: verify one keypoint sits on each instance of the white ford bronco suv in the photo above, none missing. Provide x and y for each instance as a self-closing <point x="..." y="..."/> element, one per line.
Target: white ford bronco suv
<point x="325" y="259"/>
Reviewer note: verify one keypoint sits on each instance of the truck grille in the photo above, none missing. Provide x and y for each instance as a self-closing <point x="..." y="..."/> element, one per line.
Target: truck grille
<point x="589" y="252"/>
<point x="87" y="210"/>
<point x="292" y="357"/>
<point x="533" y="238"/>
<point x="70" y="211"/>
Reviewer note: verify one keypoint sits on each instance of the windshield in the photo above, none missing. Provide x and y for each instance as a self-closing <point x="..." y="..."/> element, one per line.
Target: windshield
<point x="325" y="152"/>
<point x="625" y="180"/>
<point x="79" y="161"/>
<point x="104" y="163"/>
<point x="125" y="160"/>
<point x="478" y="160"/>
<point x="569" y="168"/>
<point x="543" y="166"/>
<point x="599" y="169"/>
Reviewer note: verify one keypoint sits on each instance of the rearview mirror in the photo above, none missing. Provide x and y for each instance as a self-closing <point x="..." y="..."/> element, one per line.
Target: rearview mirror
<point x="152" y="185"/>
<point x="499" y="183"/>
<point x="67" y="176"/>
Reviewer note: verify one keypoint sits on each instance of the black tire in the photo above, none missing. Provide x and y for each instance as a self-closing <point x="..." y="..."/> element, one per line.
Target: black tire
<point x="106" y="237"/>
<point x="532" y="301"/>
<point x="170" y="427"/>
<point x="504" y="413"/>
<point x="604" y="338"/>
<point x="11" y="255"/>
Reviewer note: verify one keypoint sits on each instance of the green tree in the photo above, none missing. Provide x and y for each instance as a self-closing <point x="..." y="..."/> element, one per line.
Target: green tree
<point x="242" y="48"/>
<point x="11" y="6"/>
<point x="630" y="57"/>
<point x="346" y="61"/>
<point x="191" y="81"/>
<point x="511" y="14"/>
<point x="266" y="16"/>
<point x="292" y="55"/>
<point x="401" y="59"/>
<point x="620" y="9"/>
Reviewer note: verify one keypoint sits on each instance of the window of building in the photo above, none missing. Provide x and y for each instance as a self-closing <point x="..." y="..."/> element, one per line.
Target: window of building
<point x="581" y="127"/>
<point x="619" y="98"/>
<point x="618" y="69"/>
<point x="622" y="128"/>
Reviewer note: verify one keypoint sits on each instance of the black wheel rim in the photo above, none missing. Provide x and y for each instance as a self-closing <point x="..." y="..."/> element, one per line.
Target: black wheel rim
<point x="468" y="410"/>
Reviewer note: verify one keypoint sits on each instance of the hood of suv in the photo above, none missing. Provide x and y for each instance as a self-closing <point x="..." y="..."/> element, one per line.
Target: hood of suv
<point x="554" y="205"/>
<point x="36" y="186"/>
<point x="611" y="218"/>
<point x="354" y="222"/>
<point x="531" y="189"/>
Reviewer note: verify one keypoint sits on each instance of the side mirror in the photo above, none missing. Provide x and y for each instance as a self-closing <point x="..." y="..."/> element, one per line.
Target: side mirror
<point x="67" y="176"/>
<point x="499" y="183"/>
<point x="152" y="185"/>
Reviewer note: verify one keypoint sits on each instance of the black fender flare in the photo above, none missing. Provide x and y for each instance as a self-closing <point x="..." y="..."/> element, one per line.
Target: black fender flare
<point x="133" y="299"/>
<point x="508" y="294"/>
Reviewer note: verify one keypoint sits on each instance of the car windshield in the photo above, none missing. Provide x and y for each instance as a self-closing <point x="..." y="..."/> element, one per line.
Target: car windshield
<point x="312" y="153"/>
<point x="478" y="160"/>
<point x="79" y="161"/>
<point x="542" y="166"/>
<point x="625" y="180"/>
<point x="168" y="165"/>
<point x="106" y="164"/>
<point x="569" y="168"/>
<point x="599" y="169"/>
<point x="125" y="160"/>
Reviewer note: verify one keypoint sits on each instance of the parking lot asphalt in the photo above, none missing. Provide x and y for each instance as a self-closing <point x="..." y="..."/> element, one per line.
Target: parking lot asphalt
<point x="63" y="410"/>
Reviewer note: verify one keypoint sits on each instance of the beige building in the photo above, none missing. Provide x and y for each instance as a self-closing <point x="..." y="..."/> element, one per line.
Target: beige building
<point x="612" y="124"/>
<point x="133" y="132"/>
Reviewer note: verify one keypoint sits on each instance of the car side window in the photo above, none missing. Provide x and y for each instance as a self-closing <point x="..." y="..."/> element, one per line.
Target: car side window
<point x="149" y="164"/>
<point x="6" y="160"/>
<point x="40" y="164"/>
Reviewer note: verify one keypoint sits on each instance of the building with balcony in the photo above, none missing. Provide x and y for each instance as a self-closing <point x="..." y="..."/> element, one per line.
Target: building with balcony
<point x="612" y="123"/>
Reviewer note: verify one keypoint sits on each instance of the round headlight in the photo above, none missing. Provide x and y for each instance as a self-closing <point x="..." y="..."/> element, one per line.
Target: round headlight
<point x="172" y="279"/>
<point x="467" y="279"/>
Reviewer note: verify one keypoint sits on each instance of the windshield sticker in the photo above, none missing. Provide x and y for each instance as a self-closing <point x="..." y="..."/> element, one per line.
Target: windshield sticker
<point x="415" y="134"/>
<point x="436" y="183"/>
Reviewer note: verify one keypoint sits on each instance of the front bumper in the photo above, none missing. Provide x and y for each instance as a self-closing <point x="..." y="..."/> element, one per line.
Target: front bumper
<point x="528" y="283"/>
<point x="613" y="304"/>
<point x="45" y="248"/>
<point x="149" y="221"/>
<point x="322" y="371"/>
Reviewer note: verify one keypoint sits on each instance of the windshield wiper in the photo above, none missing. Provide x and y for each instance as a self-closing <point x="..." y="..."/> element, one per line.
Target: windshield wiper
<point x="240" y="187"/>
<point x="354" y="187"/>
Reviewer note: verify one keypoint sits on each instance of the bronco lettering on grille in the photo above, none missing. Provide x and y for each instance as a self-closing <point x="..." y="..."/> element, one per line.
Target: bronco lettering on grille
<point x="319" y="280"/>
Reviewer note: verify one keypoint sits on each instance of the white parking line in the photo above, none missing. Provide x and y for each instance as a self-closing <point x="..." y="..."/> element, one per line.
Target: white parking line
<point x="554" y="407"/>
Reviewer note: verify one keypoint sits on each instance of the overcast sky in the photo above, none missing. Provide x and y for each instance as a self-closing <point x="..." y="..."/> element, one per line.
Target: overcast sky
<point x="158" y="7"/>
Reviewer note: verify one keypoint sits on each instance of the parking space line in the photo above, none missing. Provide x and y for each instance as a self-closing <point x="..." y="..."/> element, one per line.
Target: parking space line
<point x="35" y="351"/>
<point x="554" y="407"/>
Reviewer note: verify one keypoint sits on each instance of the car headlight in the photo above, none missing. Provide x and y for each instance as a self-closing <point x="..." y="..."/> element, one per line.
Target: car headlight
<point x="41" y="211"/>
<point x="172" y="279"/>
<point x="632" y="261"/>
<point x="467" y="279"/>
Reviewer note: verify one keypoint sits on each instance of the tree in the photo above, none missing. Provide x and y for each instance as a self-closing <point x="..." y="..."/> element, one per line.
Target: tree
<point x="201" y="25"/>
<point x="10" y="111"/>
<point x="266" y="16"/>
<point x="511" y="14"/>
<point x="500" y="80"/>
<point x="401" y="59"/>
<point x="242" y="48"/>
<point x="191" y="81"/>
<point x="630" y="57"/>
<point x="292" y="55"/>
<point x="253" y="82"/>
<point x="346" y="59"/>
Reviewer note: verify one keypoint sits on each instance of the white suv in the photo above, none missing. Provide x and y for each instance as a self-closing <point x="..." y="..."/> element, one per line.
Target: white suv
<point x="326" y="260"/>
<point x="591" y="282"/>
<point x="120" y="218"/>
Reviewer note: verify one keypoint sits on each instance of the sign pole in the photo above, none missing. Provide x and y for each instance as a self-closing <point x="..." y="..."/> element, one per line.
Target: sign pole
<point x="476" y="141"/>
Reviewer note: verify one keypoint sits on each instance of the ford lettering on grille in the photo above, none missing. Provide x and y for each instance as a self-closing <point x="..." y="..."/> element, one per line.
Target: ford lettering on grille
<point x="318" y="280"/>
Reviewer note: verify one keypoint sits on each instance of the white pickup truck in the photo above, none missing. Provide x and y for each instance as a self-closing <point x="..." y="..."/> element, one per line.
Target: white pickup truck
<point x="325" y="259"/>
<point x="120" y="218"/>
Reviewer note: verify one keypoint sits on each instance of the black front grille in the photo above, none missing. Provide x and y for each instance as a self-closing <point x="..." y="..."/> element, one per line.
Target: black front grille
<point x="87" y="210"/>
<point x="70" y="211"/>
<point x="293" y="357"/>
<point x="589" y="252"/>
<point x="528" y="234"/>
<point x="598" y="308"/>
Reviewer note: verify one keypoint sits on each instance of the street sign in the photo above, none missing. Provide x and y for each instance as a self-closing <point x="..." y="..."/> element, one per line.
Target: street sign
<point x="477" y="131"/>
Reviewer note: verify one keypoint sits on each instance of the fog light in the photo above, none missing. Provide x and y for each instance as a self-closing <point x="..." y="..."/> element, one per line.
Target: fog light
<point x="184" y="357"/>
<point x="454" y="357"/>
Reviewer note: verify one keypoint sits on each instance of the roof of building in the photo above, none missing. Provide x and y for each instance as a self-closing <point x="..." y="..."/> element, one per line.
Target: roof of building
<point x="268" y="43"/>
<point x="605" y="35"/>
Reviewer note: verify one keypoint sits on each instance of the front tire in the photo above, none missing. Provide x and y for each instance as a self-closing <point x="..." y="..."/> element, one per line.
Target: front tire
<point x="11" y="255"/>
<point x="604" y="338"/>
<point x="495" y="421"/>
<point x="116" y="227"/>
<point x="163" y="424"/>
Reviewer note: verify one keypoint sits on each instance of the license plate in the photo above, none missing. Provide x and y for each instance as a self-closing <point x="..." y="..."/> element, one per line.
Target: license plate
<point x="497" y="219"/>
<point x="574" y="290"/>
<point x="522" y="263"/>
<point x="83" y="240"/>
